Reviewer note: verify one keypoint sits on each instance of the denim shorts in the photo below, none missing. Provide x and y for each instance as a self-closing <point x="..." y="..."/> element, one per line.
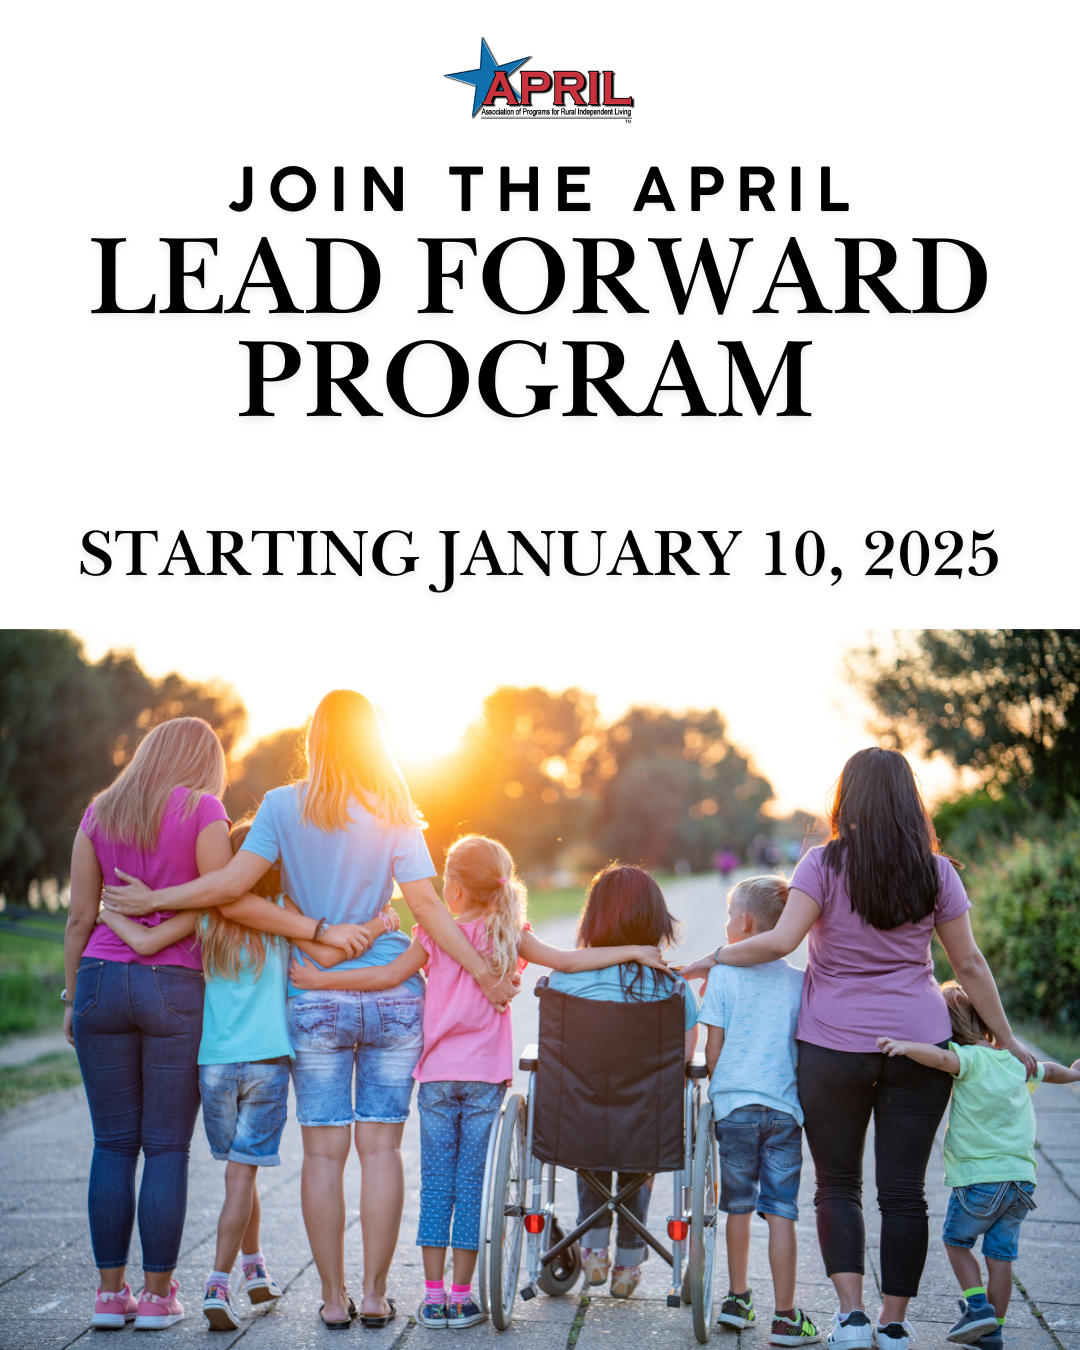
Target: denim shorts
<point x="244" y="1110"/>
<point x="760" y="1162"/>
<point x="994" y="1209"/>
<point x="376" y="1036"/>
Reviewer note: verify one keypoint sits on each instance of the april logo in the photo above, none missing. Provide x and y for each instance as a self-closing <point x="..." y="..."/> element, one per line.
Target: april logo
<point x="574" y="93"/>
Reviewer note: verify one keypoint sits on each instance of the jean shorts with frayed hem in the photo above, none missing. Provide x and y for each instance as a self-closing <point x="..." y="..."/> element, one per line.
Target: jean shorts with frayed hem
<point x="760" y="1162"/>
<point x="343" y="1037"/>
<point x="244" y="1110"/>
<point x="993" y="1210"/>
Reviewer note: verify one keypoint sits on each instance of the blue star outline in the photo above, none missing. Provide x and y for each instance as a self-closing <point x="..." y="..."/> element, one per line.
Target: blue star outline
<point x="482" y="77"/>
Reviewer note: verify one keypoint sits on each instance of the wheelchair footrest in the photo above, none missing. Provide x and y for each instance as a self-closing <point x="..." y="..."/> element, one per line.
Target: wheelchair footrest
<point x="529" y="1291"/>
<point x="674" y="1298"/>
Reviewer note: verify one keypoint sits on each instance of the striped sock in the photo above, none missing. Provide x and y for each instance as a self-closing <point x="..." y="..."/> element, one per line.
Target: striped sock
<point x="434" y="1292"/>
<point x="459" y="1293"/>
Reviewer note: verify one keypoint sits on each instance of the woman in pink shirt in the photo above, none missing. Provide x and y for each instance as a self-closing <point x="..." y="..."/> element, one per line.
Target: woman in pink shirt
<point x="870" y="901"/>
<point x="136" y="1021"/>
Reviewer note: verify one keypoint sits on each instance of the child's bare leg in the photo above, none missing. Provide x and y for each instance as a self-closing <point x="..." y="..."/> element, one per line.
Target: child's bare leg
<point x="434" y="1264"/>
<point x="738" y="1251"/>
<point x="464" y="1266"/>
<point x="1000" y="1284"/>
<point x="783" y="1260"/>
<point x="235" y="1212"/>
<point x="966" y="1268"/>
<point x="249" y="1243"/>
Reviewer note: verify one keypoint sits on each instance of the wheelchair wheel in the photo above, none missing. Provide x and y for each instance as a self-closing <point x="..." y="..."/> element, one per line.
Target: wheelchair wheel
<point x="560" y="1276"/>
<point x="703" y="1224"/>
<point x="507" y="1212"/>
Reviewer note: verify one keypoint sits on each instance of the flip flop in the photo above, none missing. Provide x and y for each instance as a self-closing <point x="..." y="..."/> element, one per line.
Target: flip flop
<point x="343" y="1325"/>
<point x="375" y="1320"/>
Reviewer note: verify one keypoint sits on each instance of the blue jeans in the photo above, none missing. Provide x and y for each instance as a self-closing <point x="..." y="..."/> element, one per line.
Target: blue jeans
<point x="455" y="1121"/>
<point x="337" y="1033"/>
<point x="993" y="1210"/>
<point x="137" y="1033"/>
<point x="630" y="1247"/>
<point x="244" y="1109"/>
<point x="760" y="1162"/>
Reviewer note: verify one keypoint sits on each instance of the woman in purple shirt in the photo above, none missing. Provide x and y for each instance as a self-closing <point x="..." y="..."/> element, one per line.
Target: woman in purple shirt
<point x="869" y="902"/>
<point x="136" y="1021"/>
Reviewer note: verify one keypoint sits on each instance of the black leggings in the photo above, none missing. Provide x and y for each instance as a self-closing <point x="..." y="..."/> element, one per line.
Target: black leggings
<point x="839" y="1090"/>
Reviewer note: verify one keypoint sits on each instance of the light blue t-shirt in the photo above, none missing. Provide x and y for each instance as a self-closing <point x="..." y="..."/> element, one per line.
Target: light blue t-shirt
<point x="244" y="1019"/>
<point x="345" y="875"/>
<point x="607" y="987"/>
<point x="758" y="1008"/>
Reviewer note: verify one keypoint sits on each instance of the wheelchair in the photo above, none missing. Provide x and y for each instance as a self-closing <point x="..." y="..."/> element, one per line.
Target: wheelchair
<point x="623" y="1100"/>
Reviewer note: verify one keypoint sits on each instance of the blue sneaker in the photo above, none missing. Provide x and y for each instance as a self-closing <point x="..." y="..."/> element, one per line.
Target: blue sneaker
<point x="465" y="1314"/>
<point x="431" y="1314"/>
<point x="974" y="1323"/>
<point x="993" y="1340"/>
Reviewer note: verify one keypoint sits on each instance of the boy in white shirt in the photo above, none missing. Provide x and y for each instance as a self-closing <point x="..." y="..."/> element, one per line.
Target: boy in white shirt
<point x="751" y="1013"/>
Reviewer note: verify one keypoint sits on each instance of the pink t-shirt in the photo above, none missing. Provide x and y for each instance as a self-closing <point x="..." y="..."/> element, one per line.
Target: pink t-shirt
<point x="172" y="863"/>
<point x="863" y="982"/>
<point x="466" y="1039"/>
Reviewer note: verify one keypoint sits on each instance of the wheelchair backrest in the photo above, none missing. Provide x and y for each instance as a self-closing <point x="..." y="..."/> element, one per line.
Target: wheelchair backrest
<point x="609" y="1083"/>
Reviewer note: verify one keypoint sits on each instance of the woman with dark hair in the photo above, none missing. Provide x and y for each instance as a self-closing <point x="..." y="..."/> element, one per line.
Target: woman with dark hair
<point x="870" y="900"/>
<point x="624" y="906"/>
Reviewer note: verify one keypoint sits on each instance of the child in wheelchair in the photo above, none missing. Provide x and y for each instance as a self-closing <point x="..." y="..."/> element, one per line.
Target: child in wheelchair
<point x="751" y="1013"/>
<point x="623" y="905"/>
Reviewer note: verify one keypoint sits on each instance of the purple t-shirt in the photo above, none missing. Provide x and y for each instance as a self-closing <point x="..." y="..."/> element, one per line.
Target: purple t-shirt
<point x="863" y="982"/>
<point x="172" y="863"/>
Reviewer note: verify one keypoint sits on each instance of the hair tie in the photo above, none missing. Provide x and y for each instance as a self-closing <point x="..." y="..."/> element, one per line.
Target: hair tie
<point x="502" y="881"/>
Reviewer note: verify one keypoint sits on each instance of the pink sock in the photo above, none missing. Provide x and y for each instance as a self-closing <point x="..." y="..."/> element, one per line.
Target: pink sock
<point x="459" y="1293"/>
<point x="434" y="1291"/>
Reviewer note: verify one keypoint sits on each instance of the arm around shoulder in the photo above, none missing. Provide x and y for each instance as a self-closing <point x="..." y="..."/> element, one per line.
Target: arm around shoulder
<point x="1058" y="1073"/>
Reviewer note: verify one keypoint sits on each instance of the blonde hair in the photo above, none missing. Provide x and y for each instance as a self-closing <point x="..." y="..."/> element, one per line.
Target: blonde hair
<point x="227" y="947"/>
<point x="763" y="898"/>
<point x="484" y="870"/>
<point x="183" y="752"/>
<point x="968" y="1027"/>
<point x="348" y="760"/>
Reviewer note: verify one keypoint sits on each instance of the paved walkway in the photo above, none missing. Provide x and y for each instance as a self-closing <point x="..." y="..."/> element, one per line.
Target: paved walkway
<point x="47" y="1275"/>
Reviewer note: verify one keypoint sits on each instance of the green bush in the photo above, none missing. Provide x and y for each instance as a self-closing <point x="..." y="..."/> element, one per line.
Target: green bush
<point x="27" y="1000"/>
<point x="1026" y="916"/>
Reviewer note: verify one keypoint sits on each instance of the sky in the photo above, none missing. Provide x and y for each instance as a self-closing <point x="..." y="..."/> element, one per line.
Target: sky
<point x="782" y="688"/>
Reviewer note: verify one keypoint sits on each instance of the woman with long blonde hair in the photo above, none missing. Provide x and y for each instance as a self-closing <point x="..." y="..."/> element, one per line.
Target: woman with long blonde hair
<point x="342" y="836"/>
<point x="135" y="1016"/>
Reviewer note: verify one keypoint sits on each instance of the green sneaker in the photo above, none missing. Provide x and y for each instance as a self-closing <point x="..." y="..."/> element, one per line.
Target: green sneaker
<point x="797" y="1331"/>
<point x="737" y="1311"/>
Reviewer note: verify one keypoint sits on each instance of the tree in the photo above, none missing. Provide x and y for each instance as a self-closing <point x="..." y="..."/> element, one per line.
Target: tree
<point x="1001" y="701"/>
<point x="673" y="787"/>
<point x="67" y="726"/>
<point x="270" y="763"/>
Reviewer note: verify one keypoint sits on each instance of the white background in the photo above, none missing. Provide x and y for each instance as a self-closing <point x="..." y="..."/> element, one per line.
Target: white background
<point x="135" y="121"/>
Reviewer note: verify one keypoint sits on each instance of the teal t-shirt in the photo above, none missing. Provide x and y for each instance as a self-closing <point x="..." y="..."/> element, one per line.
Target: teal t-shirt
<point x="991" y="1131"/>
<point x="244" y="1019"/>
<point x="758" y="1008"/>
<point x="607" y="987"/>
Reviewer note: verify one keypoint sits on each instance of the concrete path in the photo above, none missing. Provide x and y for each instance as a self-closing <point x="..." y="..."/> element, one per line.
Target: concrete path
<point x="25" y="1049"/>
<point x="47" y="1276"/>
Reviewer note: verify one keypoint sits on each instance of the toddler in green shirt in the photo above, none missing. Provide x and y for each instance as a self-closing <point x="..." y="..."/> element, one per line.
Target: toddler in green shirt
<point x="989" y="1155"/>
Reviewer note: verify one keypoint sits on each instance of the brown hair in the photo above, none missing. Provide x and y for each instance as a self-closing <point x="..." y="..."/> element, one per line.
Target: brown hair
<point x="968" y="1027"/>
<point x="484" y="870"/>
<point x="625" y="907"/>
<point x="763" y="898"/>
<point x="227" y="947"/>
<point x="183" y="752"/>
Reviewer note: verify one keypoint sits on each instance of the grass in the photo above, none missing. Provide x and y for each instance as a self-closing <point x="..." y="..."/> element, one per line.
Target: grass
<point x="31" y="977"/>
<point x="51" y="1073"/>
<point x="1062" y="1046"/>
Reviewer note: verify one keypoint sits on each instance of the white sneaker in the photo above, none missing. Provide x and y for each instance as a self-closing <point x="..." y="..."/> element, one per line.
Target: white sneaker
<point x="895" y="1336"/>
<point x="260" y="1285"/>
<point x="219" y="1309"/>
<point x="853" y="1332"/>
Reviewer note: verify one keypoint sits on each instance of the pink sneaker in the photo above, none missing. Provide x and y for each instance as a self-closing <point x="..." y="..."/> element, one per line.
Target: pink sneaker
<point x="155" y="1313"/>
<point x="113" y="1309"/>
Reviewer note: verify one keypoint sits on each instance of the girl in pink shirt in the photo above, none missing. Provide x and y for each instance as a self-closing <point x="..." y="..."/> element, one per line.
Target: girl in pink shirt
<point x="468" y="1055"/>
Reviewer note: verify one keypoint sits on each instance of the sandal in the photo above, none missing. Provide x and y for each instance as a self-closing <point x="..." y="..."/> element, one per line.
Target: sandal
<point x="375" y="1320"/>
<point x="343" y="1325"/>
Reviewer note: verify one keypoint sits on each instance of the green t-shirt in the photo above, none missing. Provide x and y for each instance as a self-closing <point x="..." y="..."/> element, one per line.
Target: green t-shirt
<point x="991" y="1131"/>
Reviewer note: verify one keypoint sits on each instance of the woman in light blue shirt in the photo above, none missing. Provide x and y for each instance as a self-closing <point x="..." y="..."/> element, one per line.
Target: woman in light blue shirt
<point x="342" y="837"/>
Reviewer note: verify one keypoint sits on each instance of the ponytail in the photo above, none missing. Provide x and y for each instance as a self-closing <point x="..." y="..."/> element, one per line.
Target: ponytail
<point x="485" y="872"/>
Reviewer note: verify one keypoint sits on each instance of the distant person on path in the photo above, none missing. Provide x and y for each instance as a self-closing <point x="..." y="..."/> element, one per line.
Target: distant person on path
<point x="751" y="1013"/>
<point x="136" y="1019"/>
<point x="870" y="900"/>
<point x="341" y="838"/>
<point x="989" y="1161"/>
<point x="725" y="860"/>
